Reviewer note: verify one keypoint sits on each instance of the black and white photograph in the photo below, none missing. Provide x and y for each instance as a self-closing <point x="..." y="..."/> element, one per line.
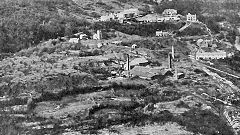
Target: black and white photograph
<point x="119" y="67"/>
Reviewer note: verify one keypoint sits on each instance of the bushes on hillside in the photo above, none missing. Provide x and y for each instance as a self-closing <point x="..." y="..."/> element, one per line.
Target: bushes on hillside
<point x="182" y="6"/>
<point x="22" y="28"/>
<point x="192" y="32"/>
<point x="136" y="29"/>
<point x="203" y="122"/>
<point x="233" y="63"/>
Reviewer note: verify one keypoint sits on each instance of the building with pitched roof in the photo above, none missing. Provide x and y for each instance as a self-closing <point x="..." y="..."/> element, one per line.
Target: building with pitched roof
<point x="150" y="73"/>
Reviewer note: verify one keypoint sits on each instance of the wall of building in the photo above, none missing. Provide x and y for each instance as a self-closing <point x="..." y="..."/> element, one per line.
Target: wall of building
<point x="191" y="18"/>
<point x="169" y="12"/>
<point x="162" y="34"/>
<point x="211" y="55"/>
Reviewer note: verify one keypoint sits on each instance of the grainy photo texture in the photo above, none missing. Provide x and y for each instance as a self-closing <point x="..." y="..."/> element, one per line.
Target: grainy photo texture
<point x="119" y="67"/>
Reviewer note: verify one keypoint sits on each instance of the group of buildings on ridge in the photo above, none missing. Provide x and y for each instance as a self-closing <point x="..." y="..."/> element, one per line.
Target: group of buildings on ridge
<point x="219" y="54"/>
<point x="167" y="15"/>
<point x="207" y="49"/>
<point x="134" y="13"/>
<point x="82" y="36"/>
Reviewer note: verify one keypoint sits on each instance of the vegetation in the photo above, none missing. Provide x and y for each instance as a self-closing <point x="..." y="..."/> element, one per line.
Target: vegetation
<point x="41" y="68"/>
<point x="136" y="28"/>
<point x="199" y="7"/>
<point x="204" y="122"/>
<point x="26" y="24"/>
<point x="182" y="6"/>
<point x="233" y="63"/>
<point x="77" y="88"/>
<point x="192" y="32"/>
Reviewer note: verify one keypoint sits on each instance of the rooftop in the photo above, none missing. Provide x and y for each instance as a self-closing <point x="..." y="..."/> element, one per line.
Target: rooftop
<point x="147" y="72"/>
<point x="138" y="61"/>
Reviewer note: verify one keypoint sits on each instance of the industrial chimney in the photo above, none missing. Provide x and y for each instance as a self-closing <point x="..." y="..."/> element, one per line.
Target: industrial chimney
<point x="172" y="52"/>
<point x="170" y="61"/>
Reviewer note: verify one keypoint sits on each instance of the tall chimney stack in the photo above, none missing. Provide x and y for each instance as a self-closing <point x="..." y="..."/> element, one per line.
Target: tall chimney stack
<point x="99" y="34"/>
<point x="128" y="65"/>
<point x="172" y="52"/>
<point x="169" y="61"/>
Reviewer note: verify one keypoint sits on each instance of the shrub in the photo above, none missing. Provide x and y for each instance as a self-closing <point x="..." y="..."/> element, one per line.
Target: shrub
<point x="204" y="122"/>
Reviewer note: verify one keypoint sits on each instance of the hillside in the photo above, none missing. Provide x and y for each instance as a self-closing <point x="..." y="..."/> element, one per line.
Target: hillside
<point x="72" y="93"/>
<point x="27" y="23"/>
<point x="127" y="81"/>
<point x="105" y="6"/>
<point x="32" y="21"/>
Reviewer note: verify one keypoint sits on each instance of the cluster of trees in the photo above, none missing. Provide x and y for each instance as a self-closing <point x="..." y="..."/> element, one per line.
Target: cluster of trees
<point x="233" y="63"/>
<point x="191" y="32"/>
<point x="204" y="122"/>
<point x="136" y="28"/>
<point x="26" y="24"/>
<point x="226" y="5"/>
<point x="197" y="6"/>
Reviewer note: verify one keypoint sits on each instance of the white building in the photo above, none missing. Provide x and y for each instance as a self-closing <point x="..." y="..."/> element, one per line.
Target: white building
<point x="161" y="19"/>
<point x="191" y="18"/>
<point x="129" y="13"/>
<point x="134" y="46"/>
<point x="74" y="40"/>
<point x="108" y="17"/>
<point x="158" y="1"/>
<point x="238" y="29"/>
<point x="98" y="35"/>
<point x="105" y="18"/>
<point x="169" y="12"/>
<point x="149" y="18"/>
<point x="121" y="16"/>
<point x="162" y="34"/>
<point x="171" y="18"/>
<point x="211" y="55"/>
<point x="99" y="45"/>
<point x="83" y="36"/>
<point x="204" y="43"/>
